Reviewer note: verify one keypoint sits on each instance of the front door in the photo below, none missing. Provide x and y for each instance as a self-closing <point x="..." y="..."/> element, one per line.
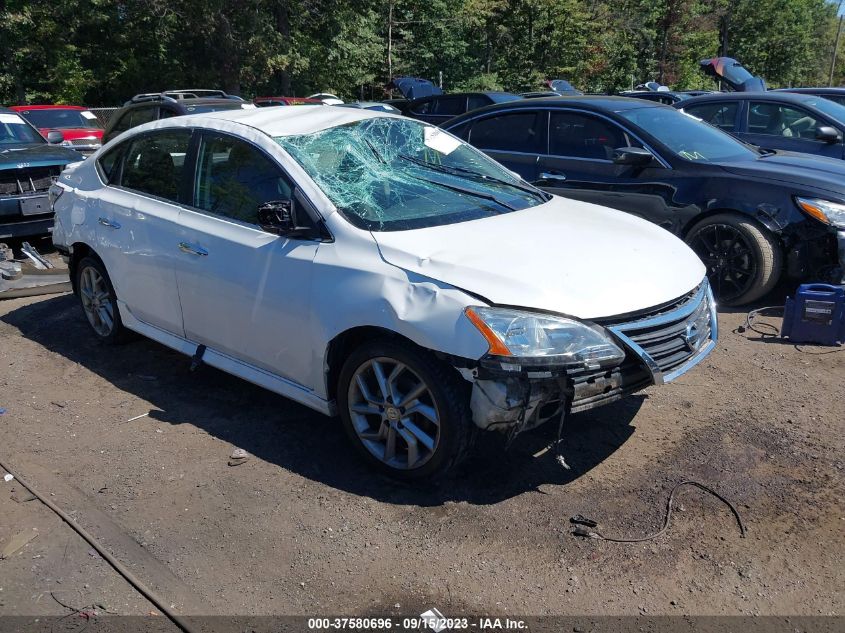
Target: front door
<point x="137" y="222"/>
<point x="780" y="126"/>
<point x="579" y="165"/>
<point x="244" y="292"/>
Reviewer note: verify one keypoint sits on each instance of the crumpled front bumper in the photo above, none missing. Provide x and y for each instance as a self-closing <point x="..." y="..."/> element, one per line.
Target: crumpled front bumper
<point x="661" y="346"/>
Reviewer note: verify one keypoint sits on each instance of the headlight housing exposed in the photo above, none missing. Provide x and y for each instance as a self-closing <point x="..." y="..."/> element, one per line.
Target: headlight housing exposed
<point x="532" y="339"/>
<point x="823" y="210"/>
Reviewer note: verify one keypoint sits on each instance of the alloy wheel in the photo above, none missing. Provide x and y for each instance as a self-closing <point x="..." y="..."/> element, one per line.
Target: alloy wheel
<point x="729" y="257"/>
<point x="393" y="413"/>
<point x="96" y="301"/>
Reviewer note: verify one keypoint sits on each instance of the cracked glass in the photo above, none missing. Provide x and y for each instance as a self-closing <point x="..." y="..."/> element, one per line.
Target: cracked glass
<point x="390" y="173"/>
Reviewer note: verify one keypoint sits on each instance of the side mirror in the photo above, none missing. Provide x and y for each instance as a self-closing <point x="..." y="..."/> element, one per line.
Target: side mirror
<point x="637" y="156"/>
<point x="828" y="134"/>
<point x="279" y="217"/>
<point x="54" y="137"/>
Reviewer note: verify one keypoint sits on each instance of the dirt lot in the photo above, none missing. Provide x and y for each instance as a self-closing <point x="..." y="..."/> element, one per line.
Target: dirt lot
<point x="304" y="528"/>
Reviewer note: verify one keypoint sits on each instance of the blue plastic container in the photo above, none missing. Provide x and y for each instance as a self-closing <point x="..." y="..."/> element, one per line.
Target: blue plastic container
<point x="816" y="315"/>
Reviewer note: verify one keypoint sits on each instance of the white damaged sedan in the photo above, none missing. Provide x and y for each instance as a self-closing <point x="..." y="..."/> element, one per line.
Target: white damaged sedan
<point x="376" y="267"/>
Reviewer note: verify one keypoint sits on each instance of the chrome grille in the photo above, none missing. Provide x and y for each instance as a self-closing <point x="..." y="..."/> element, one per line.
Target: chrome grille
<point x="93" y="141"/>
<point x="16" y="182"/>
<point x="673" y="339"/>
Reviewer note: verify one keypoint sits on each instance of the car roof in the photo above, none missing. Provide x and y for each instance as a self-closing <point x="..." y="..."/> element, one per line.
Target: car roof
<point x="813" y="91"/>
<point x="20" y="108"/>
<point x="304" y="119"/>
<point x="770" y="95"/>
<point x="588" y="102"/>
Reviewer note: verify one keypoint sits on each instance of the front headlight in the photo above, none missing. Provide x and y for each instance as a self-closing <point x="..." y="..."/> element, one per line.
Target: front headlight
<point x="529" y="338"/>
<point x="823" y="210"/>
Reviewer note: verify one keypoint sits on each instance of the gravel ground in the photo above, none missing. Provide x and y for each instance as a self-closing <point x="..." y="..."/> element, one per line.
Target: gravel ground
<point x="302" y="527"/>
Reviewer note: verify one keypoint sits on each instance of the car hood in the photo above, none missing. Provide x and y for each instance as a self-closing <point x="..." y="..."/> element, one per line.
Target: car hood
<point x="802" y="170"/>
<point x="40" y="155"/>
<point x="563" y="256"/>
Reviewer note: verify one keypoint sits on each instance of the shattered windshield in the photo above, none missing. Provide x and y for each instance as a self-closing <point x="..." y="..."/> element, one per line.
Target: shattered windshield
<point x="393" y="174"/>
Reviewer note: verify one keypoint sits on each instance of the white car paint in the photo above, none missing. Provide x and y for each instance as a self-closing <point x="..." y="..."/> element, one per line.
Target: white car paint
<point x="267" y="307"/>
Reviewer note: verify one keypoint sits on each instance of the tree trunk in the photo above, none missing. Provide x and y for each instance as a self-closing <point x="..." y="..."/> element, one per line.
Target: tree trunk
<point x="282" y="78"/>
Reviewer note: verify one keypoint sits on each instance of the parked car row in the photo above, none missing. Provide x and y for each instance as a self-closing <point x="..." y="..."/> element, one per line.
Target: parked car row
<point x="428" y="334"/>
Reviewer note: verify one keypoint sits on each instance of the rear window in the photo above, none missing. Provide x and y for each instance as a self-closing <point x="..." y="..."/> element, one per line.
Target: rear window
<point x="62" y="119"/>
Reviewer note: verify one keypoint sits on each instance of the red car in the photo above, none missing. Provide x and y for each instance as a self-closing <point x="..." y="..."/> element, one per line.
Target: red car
<point x="264" y="102"/>
<point x="79" y="126"/>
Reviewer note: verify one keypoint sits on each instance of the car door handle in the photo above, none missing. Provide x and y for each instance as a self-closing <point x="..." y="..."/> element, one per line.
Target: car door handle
<point x="108" y="223"/>
<point x="193" y="250"/>
<point x="547" y="175"/>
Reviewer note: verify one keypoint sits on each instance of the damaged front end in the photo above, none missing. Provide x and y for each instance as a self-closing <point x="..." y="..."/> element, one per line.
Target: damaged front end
<point x="516" y="389"/>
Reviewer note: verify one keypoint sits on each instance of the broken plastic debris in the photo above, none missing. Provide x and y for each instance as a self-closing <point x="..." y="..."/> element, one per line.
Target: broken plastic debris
<point x="8" y="477"/>
<point x="2" y="410"/>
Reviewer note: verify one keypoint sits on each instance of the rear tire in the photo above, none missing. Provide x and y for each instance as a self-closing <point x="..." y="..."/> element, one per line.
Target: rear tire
<point x="744" y="260"/>
<point x="98" y="301"/>
<point x="406" y="412"/>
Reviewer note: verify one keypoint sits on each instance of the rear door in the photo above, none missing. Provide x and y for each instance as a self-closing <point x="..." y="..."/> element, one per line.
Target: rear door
<point x="775" y="125"/>
<point x="724" y="115"/>
<point x="138" y="226"/>
<point x="512" y="138"/>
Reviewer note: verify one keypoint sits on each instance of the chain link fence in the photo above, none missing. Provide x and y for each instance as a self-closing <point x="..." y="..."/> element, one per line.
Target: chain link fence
<point x="104" y="115"/>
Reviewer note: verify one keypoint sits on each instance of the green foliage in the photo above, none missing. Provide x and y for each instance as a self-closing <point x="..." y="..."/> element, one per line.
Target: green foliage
<point x="100" y="52"/>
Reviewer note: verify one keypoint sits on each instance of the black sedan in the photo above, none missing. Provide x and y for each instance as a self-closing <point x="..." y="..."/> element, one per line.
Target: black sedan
<point x="438" y="109"/>
<point x="834" y="94"/>
<point x="775" y="120"/>
<point x="751" y="215"/>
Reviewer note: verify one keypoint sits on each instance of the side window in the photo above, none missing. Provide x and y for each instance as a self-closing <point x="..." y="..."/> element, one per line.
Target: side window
<point x="234" y="179"/>
<point x="450" y="106"/>
<point x="109" y="162"/>
<point x="422" y="108"/>
<point x="515" y="132"/>
<point x="121" y="125"/>
<point x="476" y="101"/>
<point x="582" y="136"/>
<point x="722" y="114"/>
<point x="781" y="120"/>
<point x="166" y="113"/>
<point x="153" y="163"/>
<point x="139" y="116"/>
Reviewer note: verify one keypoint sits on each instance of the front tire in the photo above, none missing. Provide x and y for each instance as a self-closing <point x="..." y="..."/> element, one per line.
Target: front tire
<point x="406" y="412"/>
<point x="744" y="261"/>
<point x="99" y="302"/>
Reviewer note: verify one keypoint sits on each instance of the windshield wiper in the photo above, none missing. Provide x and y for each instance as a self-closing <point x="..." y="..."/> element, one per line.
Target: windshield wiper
<point x="463" y="171"/>
<point x="469" y="192"/>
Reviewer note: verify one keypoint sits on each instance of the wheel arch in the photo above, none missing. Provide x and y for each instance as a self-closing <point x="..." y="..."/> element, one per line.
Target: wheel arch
<point x="78" y="252"/>
<point x="760" y="219"/>
<point x="342" y="345"/>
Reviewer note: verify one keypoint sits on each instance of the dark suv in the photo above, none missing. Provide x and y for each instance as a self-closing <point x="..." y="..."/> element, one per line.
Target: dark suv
<point x="28" y="167"/>
<point x="438" y="109"/>
<point x="147" y="107"/>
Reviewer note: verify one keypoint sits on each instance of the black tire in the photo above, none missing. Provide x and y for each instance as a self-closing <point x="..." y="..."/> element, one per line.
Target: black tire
<point x="446" y="390"/>
<point x="744" y="260"/>
<point x="117" y="333"/>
